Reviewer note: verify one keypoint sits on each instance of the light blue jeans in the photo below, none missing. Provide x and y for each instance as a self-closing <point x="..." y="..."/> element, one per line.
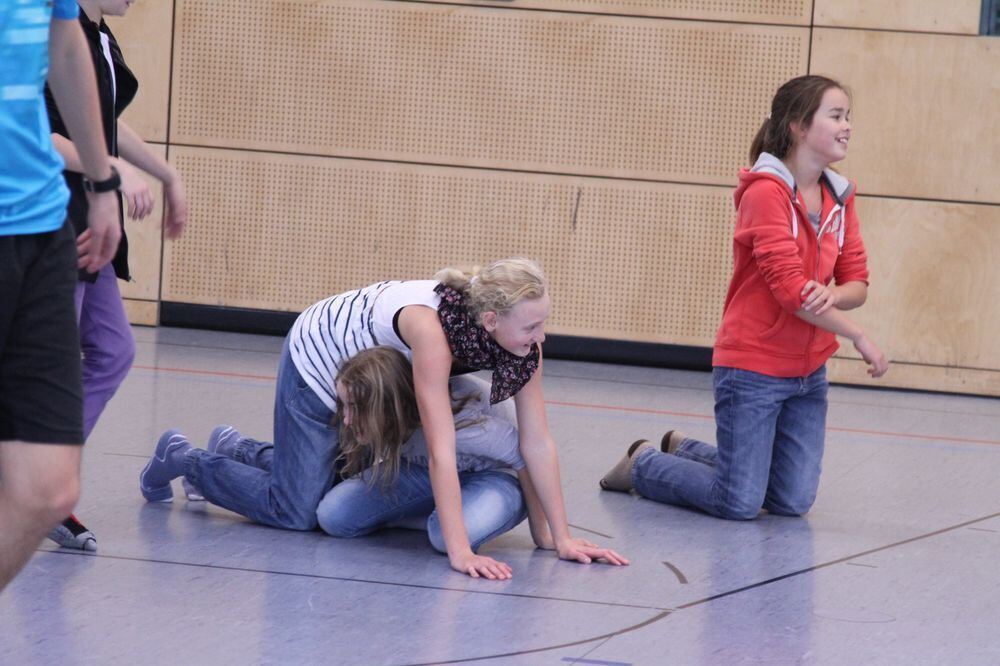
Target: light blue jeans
<point x="770" y="433"/>
<point x="492" y="503"/>
<point x="278" y="484"/>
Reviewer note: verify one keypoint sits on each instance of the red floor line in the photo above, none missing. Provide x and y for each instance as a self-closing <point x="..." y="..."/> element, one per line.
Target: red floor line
<point x="614" y="408"/>
<point x="710" y="417"/>
<point x="213" y="373"/>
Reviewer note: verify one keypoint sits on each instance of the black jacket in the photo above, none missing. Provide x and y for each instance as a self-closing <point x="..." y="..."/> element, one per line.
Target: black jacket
<point x="111" y="107"/>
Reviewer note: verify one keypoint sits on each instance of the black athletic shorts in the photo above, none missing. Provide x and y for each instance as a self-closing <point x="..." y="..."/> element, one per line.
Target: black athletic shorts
<point x="41" y="394"/>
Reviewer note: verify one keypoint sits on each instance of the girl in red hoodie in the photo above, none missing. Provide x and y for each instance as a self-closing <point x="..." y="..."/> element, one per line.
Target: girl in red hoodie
<point x="799" y="262"/>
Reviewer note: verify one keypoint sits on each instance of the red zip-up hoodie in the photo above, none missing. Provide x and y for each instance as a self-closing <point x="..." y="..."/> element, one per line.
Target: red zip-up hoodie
<point x="775" y="252"/>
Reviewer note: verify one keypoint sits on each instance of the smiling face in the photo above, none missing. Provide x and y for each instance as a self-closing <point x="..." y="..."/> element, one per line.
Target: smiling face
<point x="517" y="330"/>
<point x="827" y="136"/>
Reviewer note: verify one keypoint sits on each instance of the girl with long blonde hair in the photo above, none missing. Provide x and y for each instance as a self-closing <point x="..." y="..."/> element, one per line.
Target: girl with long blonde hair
<point x="491" y="317"/>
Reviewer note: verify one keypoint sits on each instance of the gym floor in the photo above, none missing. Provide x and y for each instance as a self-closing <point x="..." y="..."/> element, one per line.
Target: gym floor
<point x="895" y="564"/>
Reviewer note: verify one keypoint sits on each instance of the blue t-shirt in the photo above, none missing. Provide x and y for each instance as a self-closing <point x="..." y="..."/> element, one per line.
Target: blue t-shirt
<point x="33" y="194"/>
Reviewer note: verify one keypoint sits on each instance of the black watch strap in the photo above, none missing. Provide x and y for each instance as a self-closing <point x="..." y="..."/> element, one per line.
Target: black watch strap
<point x="107" y="185"/>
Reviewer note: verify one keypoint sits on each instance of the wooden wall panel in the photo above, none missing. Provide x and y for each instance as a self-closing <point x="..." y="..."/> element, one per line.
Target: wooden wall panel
<point x="142" y="313"/>
<point x="636" y="261"/>
<point x="954" y="16"/>
<point x="785" y="12"/>
<point x="584" y="87"/>
<point x="144" y="35"/>
<point x="935" y="268"/>
<point x="498" y="88"/>
<point x="916" y="376"/>
<point x="926" y="123"/>
<point x="145" y="241"/>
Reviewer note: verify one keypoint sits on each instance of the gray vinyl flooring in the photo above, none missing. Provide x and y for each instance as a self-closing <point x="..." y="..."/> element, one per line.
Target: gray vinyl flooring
<point x="896" y="564"/>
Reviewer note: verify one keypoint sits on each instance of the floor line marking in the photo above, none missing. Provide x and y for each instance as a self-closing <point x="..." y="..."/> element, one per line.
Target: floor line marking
<point x="660" y="616"/>
<point x="656" y="618"/>
<point x="633" y="410"/>
<point x="599" y="662"/>
<point x="840" y="560"/>
<point x="584" y="529"/>
<point x="342" y="579"/>
<point x="192" y="371"/>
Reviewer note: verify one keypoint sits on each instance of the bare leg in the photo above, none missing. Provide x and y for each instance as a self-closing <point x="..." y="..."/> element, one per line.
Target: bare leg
<point x="39" y="486"/>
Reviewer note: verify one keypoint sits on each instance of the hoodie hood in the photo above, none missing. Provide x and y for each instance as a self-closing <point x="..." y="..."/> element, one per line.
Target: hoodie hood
<point x="769" y="166"/>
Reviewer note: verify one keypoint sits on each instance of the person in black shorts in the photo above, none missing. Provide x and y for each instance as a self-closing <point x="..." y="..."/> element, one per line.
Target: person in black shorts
<point x="40" y="394"/>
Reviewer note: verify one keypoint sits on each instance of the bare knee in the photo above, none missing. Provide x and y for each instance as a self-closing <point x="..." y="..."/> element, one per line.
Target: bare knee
<point x="41" y="481"/>
<point x="48" y="496"/>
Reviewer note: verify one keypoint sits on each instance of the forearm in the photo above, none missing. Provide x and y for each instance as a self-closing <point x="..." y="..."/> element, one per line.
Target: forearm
<point x="134" y="150"/>
<point x="834" y="321"/>
<point x="67" y="151"/>
<point x="72" y="81"/>
<point x="851" y="295"/>
<point x="537" y="522"/>
<point x="448" y="502"/>
<point x="543" y="469"/>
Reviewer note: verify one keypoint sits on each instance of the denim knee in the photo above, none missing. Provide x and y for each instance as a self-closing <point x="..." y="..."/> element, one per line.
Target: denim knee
<point x="492" y="504"/>
<point x="334" y="518"/>
<point x="335" y="524"/>
<point x="740" y="508"/>
<point x="793" y="508"/>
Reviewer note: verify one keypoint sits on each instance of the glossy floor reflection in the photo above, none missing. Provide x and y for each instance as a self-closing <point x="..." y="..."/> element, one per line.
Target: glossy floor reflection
<point x="895" y="564"/>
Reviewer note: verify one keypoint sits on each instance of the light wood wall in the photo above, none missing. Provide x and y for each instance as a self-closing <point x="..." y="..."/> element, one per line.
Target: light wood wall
<point x="327" y="143"/>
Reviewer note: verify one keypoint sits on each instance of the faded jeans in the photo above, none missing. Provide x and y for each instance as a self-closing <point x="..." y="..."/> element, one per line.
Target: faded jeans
<point x="278" y="484"/>
<point x="770" y="433"/>
<point x="492" y="504"/>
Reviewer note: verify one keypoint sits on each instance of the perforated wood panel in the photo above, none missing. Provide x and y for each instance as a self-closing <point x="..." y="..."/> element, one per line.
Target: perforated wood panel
<point x="935" y="270"/>
<point x="541" y="91"/>
<point x="142" y="313"/>
<point x="626" y="260"/>
<point x="925" y="118"/>
<point x="144" y="35"/>
<point x="954" y="16"/>
<point x="790" y="12"/>
<point x="916" y="376"/>
<point x="145" y="239"/>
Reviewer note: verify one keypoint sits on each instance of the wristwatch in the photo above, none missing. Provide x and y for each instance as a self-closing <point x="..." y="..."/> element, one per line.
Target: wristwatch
<point x="107" y="185"/>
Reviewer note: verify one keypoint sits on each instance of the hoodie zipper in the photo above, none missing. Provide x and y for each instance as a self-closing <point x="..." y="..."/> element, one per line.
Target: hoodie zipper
<point x="819" y="253"/>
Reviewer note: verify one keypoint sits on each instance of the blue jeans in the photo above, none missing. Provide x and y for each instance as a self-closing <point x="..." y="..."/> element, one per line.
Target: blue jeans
<point x="770" y="434"/>
<point x="278" y="484"/>
<point x="492" y="504"/>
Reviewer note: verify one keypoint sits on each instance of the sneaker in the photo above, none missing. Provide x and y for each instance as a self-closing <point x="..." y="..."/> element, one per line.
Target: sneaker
<point x="620" y="476"/>
<point x="72" y="534"/>
<point x="166" y="465"/>
<point x="223" y="441"/>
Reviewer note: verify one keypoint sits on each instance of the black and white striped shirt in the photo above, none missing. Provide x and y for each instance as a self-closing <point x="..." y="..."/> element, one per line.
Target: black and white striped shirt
<point x="330" y="332"/>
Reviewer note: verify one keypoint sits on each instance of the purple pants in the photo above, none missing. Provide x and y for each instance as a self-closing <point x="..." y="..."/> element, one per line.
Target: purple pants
<point x="105" y="341"/>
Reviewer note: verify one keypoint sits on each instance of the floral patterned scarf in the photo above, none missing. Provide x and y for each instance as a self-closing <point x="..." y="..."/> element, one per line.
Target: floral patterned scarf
<point x="473" y="346"/>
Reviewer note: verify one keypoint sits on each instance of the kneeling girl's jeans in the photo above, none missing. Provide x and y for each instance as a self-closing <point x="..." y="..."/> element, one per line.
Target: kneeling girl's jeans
<point x="770" y="433"/>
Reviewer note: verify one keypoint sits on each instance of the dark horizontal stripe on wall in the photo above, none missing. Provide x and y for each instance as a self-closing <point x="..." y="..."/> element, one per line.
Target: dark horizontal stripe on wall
<point x="270" y="322"/>
<point x="219" y="318"/>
